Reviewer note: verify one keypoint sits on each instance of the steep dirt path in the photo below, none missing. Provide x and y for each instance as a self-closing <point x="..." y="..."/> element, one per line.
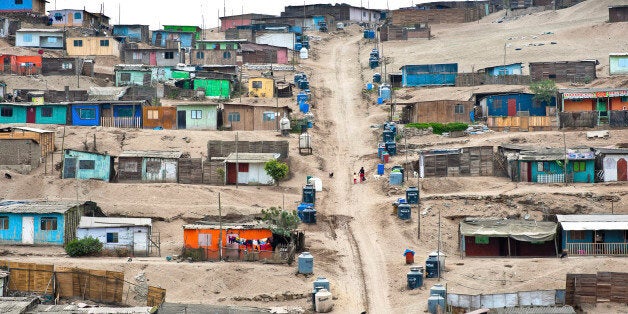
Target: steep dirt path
<point x="346" y="141"/>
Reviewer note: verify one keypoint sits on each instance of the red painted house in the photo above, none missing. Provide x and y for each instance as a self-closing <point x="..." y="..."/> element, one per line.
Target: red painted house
<point x="228" y="22"/>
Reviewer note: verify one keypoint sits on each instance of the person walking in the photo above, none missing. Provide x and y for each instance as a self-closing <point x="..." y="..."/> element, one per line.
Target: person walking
<point x="355" y="178"/>
<point x="362" y="176"/>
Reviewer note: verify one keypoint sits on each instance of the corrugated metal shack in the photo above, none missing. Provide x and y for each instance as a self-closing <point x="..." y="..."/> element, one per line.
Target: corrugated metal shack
<point x="467" y="161"/>
<point x="148" y="166"/>
<point x="564" y="71"/>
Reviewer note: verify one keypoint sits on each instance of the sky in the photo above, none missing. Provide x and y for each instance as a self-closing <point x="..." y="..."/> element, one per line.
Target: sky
<point x="193" y="12"/>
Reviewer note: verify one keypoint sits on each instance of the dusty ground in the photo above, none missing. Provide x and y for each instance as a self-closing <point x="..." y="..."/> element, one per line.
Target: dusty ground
<point x="357" y="243"/>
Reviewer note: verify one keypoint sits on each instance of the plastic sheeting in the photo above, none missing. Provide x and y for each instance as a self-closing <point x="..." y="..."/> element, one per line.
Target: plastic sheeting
<point x="501" y="300"/>
<point x="520" y="230"/>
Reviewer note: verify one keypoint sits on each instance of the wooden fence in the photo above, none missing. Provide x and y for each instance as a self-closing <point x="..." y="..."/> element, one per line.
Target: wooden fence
<point x="122" y="122"/>
<point x="156" y="296"/>
<point x="475" y="79"/>
<point x="30" y="277"/>
<point x="542" y="123"/>
<point x="594" y="288"/>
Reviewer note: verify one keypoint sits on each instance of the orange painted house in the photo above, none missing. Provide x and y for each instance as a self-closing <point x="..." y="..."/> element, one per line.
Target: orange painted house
<point x="238" y="240"/>
<point x="594" y="99"/>
<point x="20" y="65"/>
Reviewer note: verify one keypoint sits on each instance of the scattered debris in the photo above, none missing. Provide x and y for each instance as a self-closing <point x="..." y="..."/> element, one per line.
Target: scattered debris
<point x="598" y="134"/>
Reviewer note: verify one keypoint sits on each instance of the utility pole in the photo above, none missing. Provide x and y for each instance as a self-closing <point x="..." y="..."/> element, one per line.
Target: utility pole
<point x="438" y="252"/>
<point x="237" y="164"/>
<point x="220" y="226"/>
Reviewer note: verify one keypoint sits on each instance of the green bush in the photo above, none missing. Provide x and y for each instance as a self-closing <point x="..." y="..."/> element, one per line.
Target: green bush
<point x="83" y="247"/>
<point x="439" y="128"/>
<point x="276" y="169"/>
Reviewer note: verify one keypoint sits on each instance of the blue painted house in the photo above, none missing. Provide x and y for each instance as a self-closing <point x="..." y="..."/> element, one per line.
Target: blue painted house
<point x="168" y="39"/>
<point x="122" y="114"/>
<point x="35" y="6"/>
<point x="38" y="222"/>
<point x="547" y="165"/>
<point x="87" y="165"/>
<point x="594" y="234"/>
<point x="429" y="75"/>
<point x="508" y="104"/>
<point x="507" y="69"/>
<point x="133" y="33"/>
<point x="85" y="114"/>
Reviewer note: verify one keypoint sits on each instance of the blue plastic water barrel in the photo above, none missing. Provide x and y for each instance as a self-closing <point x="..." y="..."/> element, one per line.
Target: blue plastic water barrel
<point x="434" y="302"/>
<point x="380" y="100"/>
<point x="400" y="168"/>
<point x="377" y="78"/>
<point x="388" y="136"/>
<point x="438" y="289"/>
<point x="310" y="124"/>
<point x="366" y="33"/>
<point x="412" y="195"/>
<point x="369" y="86"/>
<point x="298" y="46"/>
<point x="306" y="263"/>
<point x="384" y="92"/>
<point x="321" y="283"/>
<point x="298" y="77"/>
<point x="380" y="169"/>
<point x="415" y="278"/>
<point x="404" y="211"/>
<point x="381" y="148"/>
<point x="301" y="97"/>
<point x="304" y="107"/>
<point x="301" y="208"/>
<point x="391" y="148"/>
<point x="431" y="266"/>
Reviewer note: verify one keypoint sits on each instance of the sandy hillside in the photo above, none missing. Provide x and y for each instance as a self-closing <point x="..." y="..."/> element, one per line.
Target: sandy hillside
<point x="357" y="243"/>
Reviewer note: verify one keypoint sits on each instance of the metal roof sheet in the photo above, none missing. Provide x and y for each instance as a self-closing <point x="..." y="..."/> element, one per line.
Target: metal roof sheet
<point x="151" y="154"/>
<point x="40" y="30"/>
<point x="106" y="222"/>
<point x="618" y="151"/>
<point x="24" y="128"/>
<point x="36" y="207"/>
<point x="534" y="310"/>
<point x="593" y="222"/>
<point x="252" y="157"/>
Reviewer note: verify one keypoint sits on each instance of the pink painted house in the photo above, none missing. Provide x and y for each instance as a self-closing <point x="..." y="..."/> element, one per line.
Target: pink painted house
<point x="228" y="22"/>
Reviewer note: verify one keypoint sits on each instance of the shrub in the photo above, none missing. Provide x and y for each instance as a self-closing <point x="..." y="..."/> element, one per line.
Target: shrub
<point x="439" y="128"/>
<point x="83" y="247"/>
<point x="276" y="169"/>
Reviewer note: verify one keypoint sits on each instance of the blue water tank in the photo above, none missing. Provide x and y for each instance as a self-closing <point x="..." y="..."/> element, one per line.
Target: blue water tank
<point x="396" y="178"/>
<point x="369" y="86"/>
<point x="384" y="91"/>
<point x="309" y="215"/>
<point x="432" y="265"/>
<point x="377" y="78"/>
<point x="434" y="302"/>
<point x="309" y="194"/>
<point x="380" y="100"/>
<point x="306" y="263"/>
<point x="298" y="46"/>
<point x="439" y="289"/>
<point x="302" y="97"/>
<point x="304" y="84"/>
<point x="380" y="169"/>
<point x="298" y="77"/>
<point x="391" y="126"/>
<point x="412" y="195"/>
<point x="388" y="136"/>
<point x="415" y="278"/>
<point x="301" y="208"/>
<point x="391" y="148"/>
<point x="373" y="62"/>
<point x="366" y="33"/>
<point x="304" y="107"/>
<point x="400" y="169"/>
<point x="404" y="211"/>
<point x="374" y="53"/>
<point x="321" y="283"/>
<point x="371" y="34"/>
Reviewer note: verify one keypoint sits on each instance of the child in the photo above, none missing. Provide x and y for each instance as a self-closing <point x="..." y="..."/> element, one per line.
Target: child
<point x="362" y="177"/>
<point x="355" y="178"/>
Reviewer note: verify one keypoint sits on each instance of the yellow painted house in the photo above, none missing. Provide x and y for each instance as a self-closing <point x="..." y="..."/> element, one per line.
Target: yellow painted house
<point x="261" y="87"/>
<point x="92" y="46"/>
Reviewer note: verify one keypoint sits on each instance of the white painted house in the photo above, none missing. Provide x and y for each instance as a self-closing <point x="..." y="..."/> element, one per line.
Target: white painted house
<point x="613" y="162"/>
<point x="39" y="38"/>
<point x="248" y="168"/>
<point x="118" y="232"/>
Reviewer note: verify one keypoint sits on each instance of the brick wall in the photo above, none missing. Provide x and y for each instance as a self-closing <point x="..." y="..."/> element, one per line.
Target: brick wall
<point x="412" y="17"/>
<point x="19" y="155"/>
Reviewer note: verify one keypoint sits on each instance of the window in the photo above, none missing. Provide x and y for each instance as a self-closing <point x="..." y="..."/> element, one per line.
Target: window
<point x="104" y="43"/>
<point x="66" y="65"/>
<point x="78" y="43"/>
<point x="257" y="84"/>
<point x="129" y="166"/>
<point x="196" y="114"/>
<point x="87" y="164"/>
<point x="137" y="56"/>
<point x="200" y="55"/>
<point x="234" y="117"/>
<point x="152" y="114"/>
<point x="226" y="55"/>
<point x="459" y="109"/>
<point x="624" y="98"/>
<point x="542" y="166"/>
<point x="481" y="240"/>
<point x="153" y="166"/>
<point x="6" y="112"/>
<point x="112" y="237"/>
<point x="503" y="72"/>
<point x="579" y="166"/>
<point x="576" y="235"/>
<point x="19" y="1"/>
<point x="204" y="239"/>
<point x="48" y="223"/>
<point x="497" y="104"/>
<point x="125" y="77"/>
<point x="58" y="17"/>
<point x="87" y="114"/>
<point x="169" y="55"/>
<point x="78" y="15"/>
<point x="46" y="112"/>
<point x="27" y="38"/>
<point x="4" y="223"/>
<point x="268" y="116"/>
<point x="125" y="112"/>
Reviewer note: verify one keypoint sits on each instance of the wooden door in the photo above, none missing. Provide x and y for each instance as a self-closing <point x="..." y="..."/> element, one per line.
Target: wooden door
<point x="232" y="173"/>
<point x="622" y="170"/>
<point x="523" y="172"/>
<point x="153" y="58"/>
<point x="30" y="115"/>
<point x="524" y="123"/>
<point x="512" y="107"/>
<point x="169" y="117"/>
<point x="181" y="120"/>
<point x="69" y="168"/>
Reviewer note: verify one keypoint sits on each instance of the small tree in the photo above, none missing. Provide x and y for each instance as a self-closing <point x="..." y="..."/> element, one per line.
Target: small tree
<point x="543" y="91"/>
<point x="276" y="169"/>
<point x="281" y="221"/>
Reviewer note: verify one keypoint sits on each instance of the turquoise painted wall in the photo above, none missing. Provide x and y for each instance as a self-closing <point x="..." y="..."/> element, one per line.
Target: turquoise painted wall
<point x="586" y="176"/>
<point x="610" y="236"/>
<point x="59" y="114"/>
<point x="102" y="165"/>
<point x="13" y="235"/>
<point x="18" y="114"/>
<point x="208" y="119"/>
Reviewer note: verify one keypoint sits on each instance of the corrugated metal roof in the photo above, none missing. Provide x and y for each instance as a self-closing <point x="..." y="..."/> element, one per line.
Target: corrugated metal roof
<point x="535" y="310"/>
<point x="71" y="308"/>
<point x="618" y="54"/>
<point x="35" y="207"/>
<point x="252" y="157"/>
<point x="593" y="222"/>
<point x="151" y="154"/>
<point x="16" y="304"/>
<point x="106" y="93"/>
<point x="24" y="128"/>
<point x="40" y="30"/>
<point x="105" y="222"/>
<point x="619" y="151"/>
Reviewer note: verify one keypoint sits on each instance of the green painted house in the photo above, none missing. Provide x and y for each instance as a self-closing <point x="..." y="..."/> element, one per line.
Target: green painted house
<point x="214" y="88"/>
<point x="33" y="113"/>
<point x="185" y="28"/>
<point x="199" y="116"/>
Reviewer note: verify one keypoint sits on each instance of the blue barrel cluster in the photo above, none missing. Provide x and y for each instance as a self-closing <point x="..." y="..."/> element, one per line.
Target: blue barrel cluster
<point x="300" y="79"/>
<point x="306" y="210"/>
<point x="369" y="34"/>
<point x="438" y="294"/>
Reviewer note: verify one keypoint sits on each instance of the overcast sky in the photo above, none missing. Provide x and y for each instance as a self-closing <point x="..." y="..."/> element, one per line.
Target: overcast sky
<point x="192" y="12"/>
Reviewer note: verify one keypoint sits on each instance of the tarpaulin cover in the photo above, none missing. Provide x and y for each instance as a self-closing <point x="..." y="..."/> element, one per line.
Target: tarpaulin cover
<point x="520" y="230"/>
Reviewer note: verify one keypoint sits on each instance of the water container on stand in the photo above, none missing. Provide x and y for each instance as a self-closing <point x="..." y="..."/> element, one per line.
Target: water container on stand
<point x="373" y="62"/>
<point x="412" y="195"/>
<point x="321" y="283"/>
<point x="439" y="289"/>
<point x="391" y="148"/>
<point x="434" y="302"/>
<point x="301" y="208"/>
<point x="306" y="263"/>
<point x="396" y="178"/>
<point x="404" y="212"/>
<point x="323" y="301"/>
<point x="415" y="278"/>
<point x="380" y="169"/>
<point x="309" y="215"/>
<point x="385" y="92"/>
<point x="304" y="107"/>
<point x="309" y="194"/>
<point x="377" y="78"/>
<point x="388" y="136"/>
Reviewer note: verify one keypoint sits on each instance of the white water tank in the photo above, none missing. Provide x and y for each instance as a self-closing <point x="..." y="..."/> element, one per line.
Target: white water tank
<point x="323" y="301"/>
<point x="305" y="141"/>
<point x="284" y="123"/>
<point x="303" y="54"/>
<point x="317" y="183"/>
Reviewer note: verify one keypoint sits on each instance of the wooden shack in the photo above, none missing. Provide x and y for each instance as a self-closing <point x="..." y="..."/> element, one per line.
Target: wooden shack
<point x="468" y="161"/>
<point x="45" y="138"/>
<point x="148" y="166"/>
<point x="564" y="71"/>
<point x="442" y="111"/>
<point x="159" y="117"/>
<point x="253" y="117"/>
